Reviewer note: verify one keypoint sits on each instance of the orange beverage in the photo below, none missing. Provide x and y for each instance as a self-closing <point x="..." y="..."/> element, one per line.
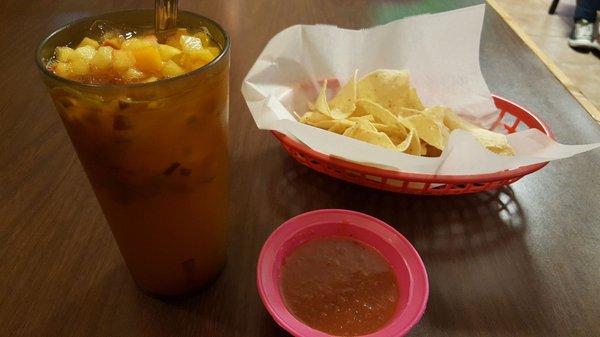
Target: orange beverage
<point x="156" y="155"/>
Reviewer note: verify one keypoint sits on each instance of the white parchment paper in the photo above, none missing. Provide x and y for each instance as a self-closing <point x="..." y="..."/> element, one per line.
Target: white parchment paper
<point x="441" y="51"/>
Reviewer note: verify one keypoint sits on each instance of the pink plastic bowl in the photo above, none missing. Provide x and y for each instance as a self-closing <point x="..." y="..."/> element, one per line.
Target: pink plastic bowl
<point x="404" y="259"/>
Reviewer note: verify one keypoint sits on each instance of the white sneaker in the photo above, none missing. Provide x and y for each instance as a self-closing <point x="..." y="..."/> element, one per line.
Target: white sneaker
<point x="582" y="35"/>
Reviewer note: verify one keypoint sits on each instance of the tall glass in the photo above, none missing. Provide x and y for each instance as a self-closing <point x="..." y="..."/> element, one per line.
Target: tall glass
<point x="156" y="155"/>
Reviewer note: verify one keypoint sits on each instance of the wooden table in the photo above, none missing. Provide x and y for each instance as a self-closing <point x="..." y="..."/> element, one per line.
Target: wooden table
<point x="522" y="261"/>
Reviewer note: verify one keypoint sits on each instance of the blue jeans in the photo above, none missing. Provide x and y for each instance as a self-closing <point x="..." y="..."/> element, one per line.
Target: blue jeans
<point x="586" y="9"/>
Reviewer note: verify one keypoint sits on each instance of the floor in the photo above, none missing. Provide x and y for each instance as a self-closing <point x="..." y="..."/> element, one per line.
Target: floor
<point x="550" y="33"/>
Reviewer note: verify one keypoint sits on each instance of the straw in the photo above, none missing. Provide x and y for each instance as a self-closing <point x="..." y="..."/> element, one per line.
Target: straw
<point x="166" y="17"/>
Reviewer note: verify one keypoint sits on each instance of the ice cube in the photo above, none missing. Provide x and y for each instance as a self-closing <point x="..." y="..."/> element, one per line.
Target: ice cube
<point x="103" y="29"/>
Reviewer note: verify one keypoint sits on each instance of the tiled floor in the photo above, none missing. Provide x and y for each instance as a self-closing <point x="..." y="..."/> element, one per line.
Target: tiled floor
<point x="550" y="33"/>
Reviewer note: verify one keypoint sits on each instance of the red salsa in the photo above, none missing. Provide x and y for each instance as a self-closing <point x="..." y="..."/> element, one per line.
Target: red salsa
<point x="339" y="286"/>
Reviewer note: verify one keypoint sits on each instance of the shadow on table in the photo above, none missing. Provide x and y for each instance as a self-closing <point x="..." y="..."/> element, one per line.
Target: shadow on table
<point x="439" y="227"/>
<point x="142" y="314"/>
<point x="482" y="277"/>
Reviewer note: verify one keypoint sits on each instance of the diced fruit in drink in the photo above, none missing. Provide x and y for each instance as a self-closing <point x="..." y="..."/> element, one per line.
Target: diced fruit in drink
<point x="190" y="43"/>
<point x="123" y="60"/>
<point x="172" y="69"/>
<point x="167" y="52"/>
<point x="62" y="69"/>
<point x="214" y="51"/>
<point x="203" y="55"/>
<point x="135" y="43"/>
<point x="86" y="52"/>
<point x="103" y="58"/>
<point x="80" y="67"/>
<point x="64" y="54"/>
<point x="133" y="74"/>
<point x="89" y="42"/>
<point x="112" y="58"/>
<point x="148" y="59"/>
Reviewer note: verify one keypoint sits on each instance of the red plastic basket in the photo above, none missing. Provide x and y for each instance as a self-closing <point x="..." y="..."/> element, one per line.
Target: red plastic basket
<point x="511" y="117"/>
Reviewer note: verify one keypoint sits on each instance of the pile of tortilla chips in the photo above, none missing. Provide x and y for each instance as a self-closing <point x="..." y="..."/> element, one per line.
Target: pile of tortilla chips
<point x="383" y="109"/>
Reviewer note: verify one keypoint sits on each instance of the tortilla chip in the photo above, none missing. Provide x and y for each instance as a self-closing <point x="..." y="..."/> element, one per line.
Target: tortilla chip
<point x="411" y="145"/>
<point x="393" y="131"/>
<point x="437" y="113"/>
<point x="381" y="114"/>
<point x="434" y="134"/>
<point x="312" y="118"/>
<point x="327" y="124"/>
<point x="321" y="104"/>
<point x="407" y="112"/>
<point x="383" y="109"/>
<point x="339" y="128"/>
<point x="370" y="118"/>
<point x="493" y="141"/>
<point x="361" y="131"/>
<point x="343" y="104"/>
<point x="390" y="89"/>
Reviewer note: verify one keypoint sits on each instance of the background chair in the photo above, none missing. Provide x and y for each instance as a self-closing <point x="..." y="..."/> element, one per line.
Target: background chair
<point x="553" y="7"/>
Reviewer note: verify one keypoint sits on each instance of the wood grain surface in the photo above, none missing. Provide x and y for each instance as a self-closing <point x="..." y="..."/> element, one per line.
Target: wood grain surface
<point x="521" y="261"/>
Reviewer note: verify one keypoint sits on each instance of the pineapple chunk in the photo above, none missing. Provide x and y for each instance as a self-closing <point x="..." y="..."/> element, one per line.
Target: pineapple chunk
<point x="135" y="43"/>
<point x="214" y="51"/>
<point x="172" y="69"/>
<point x="103" y="58"/>
<point x="86" y="52"/>
<point x="133" y="74"/>
<point x="64" y="54"/>
<point x="89" y="42"/>
<point x="201" y="55"/>
<point x="62" y="69"/>
<point x="148" y="59"/>
<point x="123" y="60"/>
<point x="167" y="52"/>
<point x="189" y="43"/>
<point x="80" y="67"/>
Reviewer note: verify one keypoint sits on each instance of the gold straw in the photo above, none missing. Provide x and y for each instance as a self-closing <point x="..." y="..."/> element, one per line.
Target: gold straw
<point x="166" y="16"/>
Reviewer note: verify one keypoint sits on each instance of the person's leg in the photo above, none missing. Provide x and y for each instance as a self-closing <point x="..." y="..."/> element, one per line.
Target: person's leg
<point x="583" y="34"/>
<point x="586" y="9"/>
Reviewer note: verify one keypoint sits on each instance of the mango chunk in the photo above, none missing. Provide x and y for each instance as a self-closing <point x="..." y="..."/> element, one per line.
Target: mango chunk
<point x="172" y="69"/>
<point x="167" y="52"/>
<point x="147" y="59"/>
<point x="203" y="55"/>
<point x="135" y="43"/>
<point x="214" y="51"/>
<point x="89" y="42"/>
<point x="123" y="60"/>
